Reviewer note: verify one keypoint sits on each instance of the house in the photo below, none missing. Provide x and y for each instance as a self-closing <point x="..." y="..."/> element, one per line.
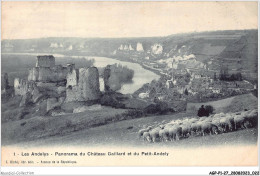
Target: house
<point x="197" y="76"/>
<point x="216" y="90"/>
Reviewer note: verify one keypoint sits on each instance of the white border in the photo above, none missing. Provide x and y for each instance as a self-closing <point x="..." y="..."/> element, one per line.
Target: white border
<point x="126" y="170"/>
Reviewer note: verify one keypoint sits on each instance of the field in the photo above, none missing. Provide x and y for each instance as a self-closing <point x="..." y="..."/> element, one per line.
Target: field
<point x="232" y="104"/>
<point x="124" y="133"/>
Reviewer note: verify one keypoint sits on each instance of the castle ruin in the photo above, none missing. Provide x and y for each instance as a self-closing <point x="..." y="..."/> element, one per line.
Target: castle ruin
<point x="46" y="70"/>
<point x="82" y="84"/>
<point x="59" y="82"/>
<point x="45" y="61"/>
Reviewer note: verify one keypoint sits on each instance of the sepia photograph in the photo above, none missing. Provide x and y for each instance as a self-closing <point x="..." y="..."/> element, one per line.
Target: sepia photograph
<point x="141" y="83"/>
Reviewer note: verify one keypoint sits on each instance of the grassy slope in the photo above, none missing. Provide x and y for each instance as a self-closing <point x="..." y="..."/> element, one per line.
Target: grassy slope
<point x="119" y="134"/>
<point x="39" y="127"/>
<point x="232" y="104"/>
<point x="78" y="128"/>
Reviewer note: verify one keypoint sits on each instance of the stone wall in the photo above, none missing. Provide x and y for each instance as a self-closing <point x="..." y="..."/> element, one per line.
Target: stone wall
<point x="33" y="74"/>
<point x="45" y="61"/>
<point x="21" y="86"/>
<point x="28" y="90"/>
<point x="72" y="77"/>
<point x="48" y="80"/>
<point x="89" y="83"/>
<point x="74" y="93"/>
<point x="45" y="74"/>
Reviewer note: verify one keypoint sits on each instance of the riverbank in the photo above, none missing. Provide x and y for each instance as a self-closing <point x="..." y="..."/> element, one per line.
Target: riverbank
<point x="154" y="70"/>
<point x="142" y="75"/>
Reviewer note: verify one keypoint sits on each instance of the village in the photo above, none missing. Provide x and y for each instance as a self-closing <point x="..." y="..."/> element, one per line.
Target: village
<point x="185" y="78"/>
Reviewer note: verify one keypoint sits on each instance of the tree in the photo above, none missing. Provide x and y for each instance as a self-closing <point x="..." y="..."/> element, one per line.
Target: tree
<point x="239" y="76"/>
<point x="152" y="92"/>
<point x="6" y="82"/>
<point x="209" y="109"/>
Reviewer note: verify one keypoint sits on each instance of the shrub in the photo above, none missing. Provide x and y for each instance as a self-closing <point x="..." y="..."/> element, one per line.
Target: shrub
<point x="209" y="109"/>
<point x="111" y="100"/>
<point x="68" y="123"/>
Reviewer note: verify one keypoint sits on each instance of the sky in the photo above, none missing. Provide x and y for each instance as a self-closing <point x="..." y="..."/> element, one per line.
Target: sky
<point x="22" y="20"/>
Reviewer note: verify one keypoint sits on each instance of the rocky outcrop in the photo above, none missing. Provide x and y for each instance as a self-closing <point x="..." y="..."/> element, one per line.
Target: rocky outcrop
<point x="112" y="99"/>
<point x="157" y="49"/>
<point x="36" y="95"/>
<point x="131" y="48"/>
<point x="54" y="103"/>
<point x="83" y="85"/>
<point x="126" y="47"/>
<point x="21" y="86"/>
<point x="26" y="99"/>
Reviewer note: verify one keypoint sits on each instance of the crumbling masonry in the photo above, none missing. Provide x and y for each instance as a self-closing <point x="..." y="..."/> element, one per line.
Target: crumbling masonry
<point x="46" y="78"/>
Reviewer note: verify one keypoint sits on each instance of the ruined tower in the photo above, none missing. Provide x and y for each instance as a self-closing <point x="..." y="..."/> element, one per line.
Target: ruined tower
<point x="89" y="82"/>
<point x="83" y="84"/>
<point x="107" y="74"/>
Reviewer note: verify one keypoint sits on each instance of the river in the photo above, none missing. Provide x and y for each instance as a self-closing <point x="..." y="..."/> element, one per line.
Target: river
<point x="141" y="75"/>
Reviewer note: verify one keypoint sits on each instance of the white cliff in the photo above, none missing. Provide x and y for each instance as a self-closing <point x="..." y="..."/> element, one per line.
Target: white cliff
<point x="139" y="47"/>
<point x="131" y="48"/>
<point x="157" y="49"/>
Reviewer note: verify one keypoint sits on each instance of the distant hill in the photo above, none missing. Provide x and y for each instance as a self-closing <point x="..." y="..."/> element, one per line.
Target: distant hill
<point x="236" y="49"/>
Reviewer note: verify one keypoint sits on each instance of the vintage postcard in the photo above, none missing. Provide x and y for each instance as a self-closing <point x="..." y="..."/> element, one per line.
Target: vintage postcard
<point x="129" y="84"/>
